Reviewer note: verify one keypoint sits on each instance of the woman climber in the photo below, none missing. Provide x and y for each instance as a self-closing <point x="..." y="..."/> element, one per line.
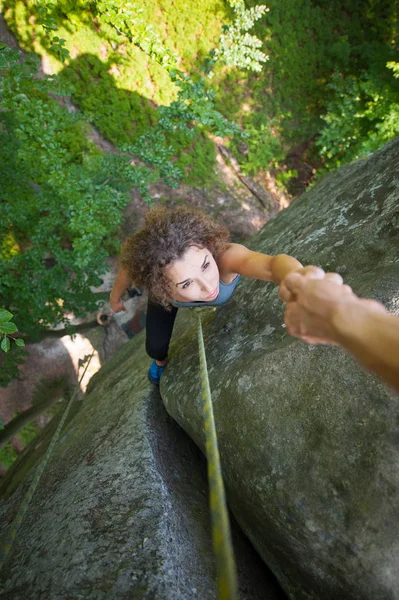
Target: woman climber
<point x="183" y="258"/>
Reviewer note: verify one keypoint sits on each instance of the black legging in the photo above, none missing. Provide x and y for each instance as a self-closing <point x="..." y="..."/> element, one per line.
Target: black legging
<point x="159" y="327"/>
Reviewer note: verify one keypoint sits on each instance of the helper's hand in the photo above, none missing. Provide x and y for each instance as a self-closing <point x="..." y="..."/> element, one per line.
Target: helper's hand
<point x="312" y="298"/>
<point x="311" y="272"/>
<point x="322" y="310"/>
<point x="116" y="305"/>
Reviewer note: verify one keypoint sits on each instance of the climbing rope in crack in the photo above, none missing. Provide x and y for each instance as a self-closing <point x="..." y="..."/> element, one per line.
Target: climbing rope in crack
<point x="222" y="544"/>
<point x="36" y="478"/>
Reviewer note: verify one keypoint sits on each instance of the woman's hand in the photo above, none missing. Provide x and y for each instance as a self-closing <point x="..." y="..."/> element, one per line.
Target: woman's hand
<point x="116" y="305"/>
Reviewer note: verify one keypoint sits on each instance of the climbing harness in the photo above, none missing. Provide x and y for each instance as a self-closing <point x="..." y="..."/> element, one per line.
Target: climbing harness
<point x="36" y="478"/>
<point x="222" y="544"/>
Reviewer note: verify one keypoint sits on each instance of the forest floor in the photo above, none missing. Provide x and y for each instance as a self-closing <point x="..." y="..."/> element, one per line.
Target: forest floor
<point x="243" y="204"/>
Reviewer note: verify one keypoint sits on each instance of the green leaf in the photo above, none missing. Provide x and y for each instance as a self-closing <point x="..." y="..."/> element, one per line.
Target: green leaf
<point x="19" y="342"/>
<point x="5" y="315"/>
<point x="5" y="344"/>
<point x="8" y="328"/>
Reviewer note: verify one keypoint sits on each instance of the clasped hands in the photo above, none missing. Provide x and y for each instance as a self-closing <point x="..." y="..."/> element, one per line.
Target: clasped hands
<point x="316" y="301"/>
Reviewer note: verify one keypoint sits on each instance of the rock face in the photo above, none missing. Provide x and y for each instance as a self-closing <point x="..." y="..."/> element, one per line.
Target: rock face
<point x="309" y="441"/>
<point x="121" y="510"/>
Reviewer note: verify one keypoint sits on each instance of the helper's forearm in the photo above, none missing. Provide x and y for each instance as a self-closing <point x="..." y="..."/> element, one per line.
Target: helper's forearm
<point x="122" y="281"/>
<point x="281" y="265"/>
<point x="373" y="337"/>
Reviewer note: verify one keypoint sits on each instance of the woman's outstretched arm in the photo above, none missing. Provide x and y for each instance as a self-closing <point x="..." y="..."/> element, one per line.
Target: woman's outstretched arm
<point x="237" y="259"/>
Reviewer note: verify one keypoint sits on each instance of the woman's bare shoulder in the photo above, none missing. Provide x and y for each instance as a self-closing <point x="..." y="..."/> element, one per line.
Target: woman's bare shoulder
<point x="227" y="258"/>
<point x="230" y="251"/>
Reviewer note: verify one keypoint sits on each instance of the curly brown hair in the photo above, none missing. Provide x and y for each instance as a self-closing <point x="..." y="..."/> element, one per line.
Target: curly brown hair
<point x="166" y="236"/>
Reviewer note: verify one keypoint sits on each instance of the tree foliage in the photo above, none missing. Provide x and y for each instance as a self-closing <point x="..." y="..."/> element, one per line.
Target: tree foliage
<point x="361" y="116"/>
<point x="317" y="50"/>
<point x="238" y="47"/>
<point x="11" y="354"/>
<point x="60" y="200"/>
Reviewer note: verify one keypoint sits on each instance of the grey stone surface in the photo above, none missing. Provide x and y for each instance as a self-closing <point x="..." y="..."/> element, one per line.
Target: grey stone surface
<point x="122" y="507"/>
<point x="309" y="440"/>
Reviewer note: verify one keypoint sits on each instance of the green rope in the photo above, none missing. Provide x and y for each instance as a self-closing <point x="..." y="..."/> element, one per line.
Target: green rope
<point x="222" y="545"/>
<point x="36" y="478"/>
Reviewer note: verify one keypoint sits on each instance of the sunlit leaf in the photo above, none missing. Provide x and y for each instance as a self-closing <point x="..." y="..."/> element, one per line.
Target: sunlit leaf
<point x="5" y="315"/>
<point x="5" y="344"/>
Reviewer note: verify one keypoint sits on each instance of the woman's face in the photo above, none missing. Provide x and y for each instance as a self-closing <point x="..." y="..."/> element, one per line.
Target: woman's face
<point x="194" y="277"/>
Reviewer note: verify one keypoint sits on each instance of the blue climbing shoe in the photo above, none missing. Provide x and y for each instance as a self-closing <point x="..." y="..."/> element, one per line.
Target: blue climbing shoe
<point x="155" y="372"/>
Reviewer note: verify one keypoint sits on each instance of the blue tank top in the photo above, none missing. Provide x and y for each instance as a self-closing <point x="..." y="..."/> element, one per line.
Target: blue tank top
<point x="225" y="292"/>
